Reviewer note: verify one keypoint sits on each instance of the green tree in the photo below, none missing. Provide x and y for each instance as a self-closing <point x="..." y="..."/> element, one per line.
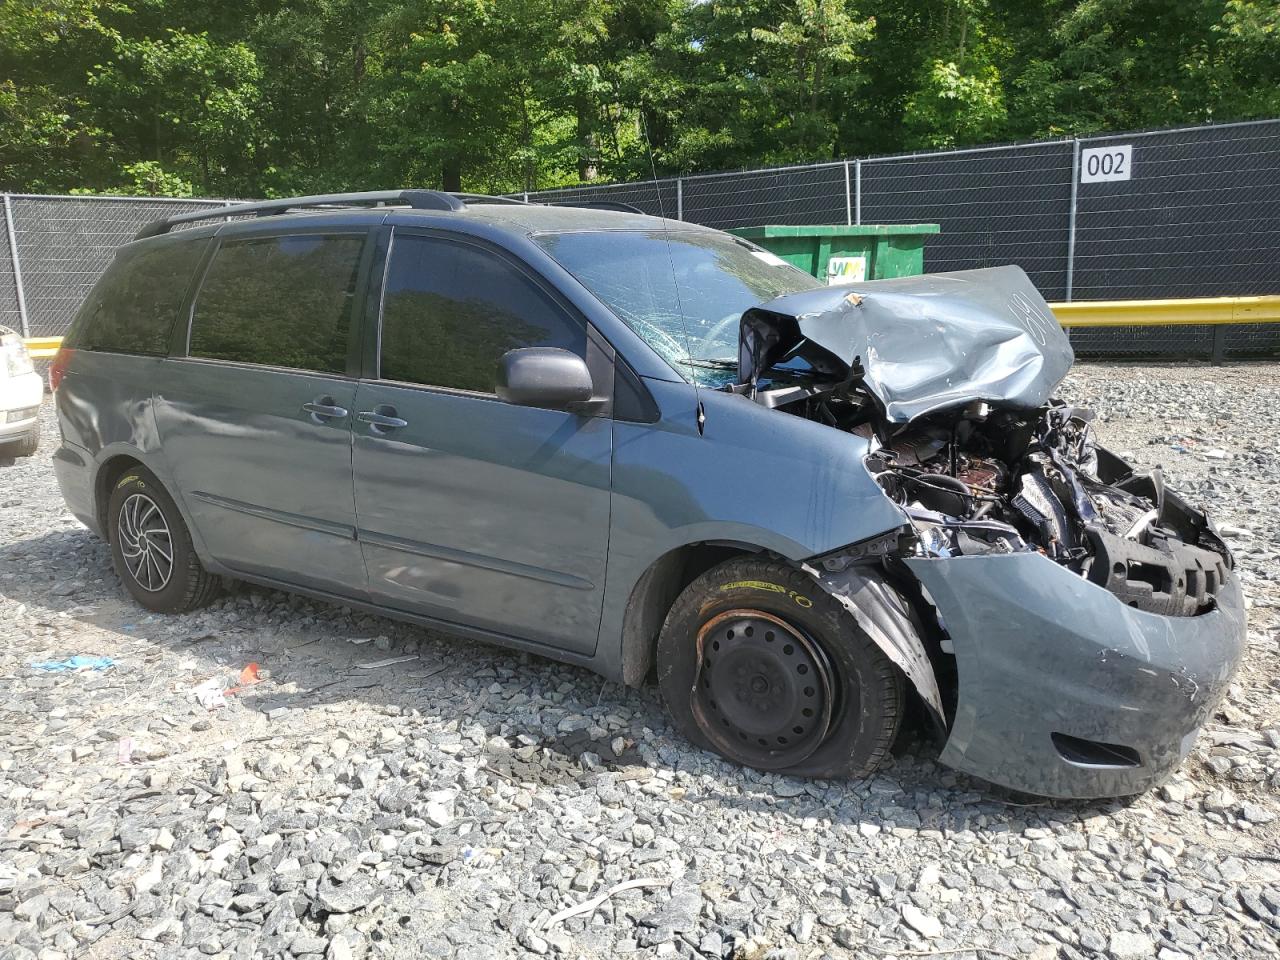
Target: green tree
<point x="957" y="94"/>
<point x="46" y="140"/>
<point x="736" y="82"/>
<point x="478" y="93"/>
<point x="273" y="97"/>
<point x="184" y="101"/>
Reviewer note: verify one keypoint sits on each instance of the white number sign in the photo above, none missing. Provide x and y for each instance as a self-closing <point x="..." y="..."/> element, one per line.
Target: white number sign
<point x="1106" y="163"/>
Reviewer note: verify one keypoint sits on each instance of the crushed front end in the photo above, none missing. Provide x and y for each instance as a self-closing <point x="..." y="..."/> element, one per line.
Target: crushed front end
<point x="1081" y="621"/>
<point x="1093" y="616"/>
<point x="978" y="482"/>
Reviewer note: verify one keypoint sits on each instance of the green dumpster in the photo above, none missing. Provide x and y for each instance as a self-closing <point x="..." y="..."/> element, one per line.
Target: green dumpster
<point x="847" y="254"/>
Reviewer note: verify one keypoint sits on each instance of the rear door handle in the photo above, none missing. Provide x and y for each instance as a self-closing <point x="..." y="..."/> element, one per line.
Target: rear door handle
<point x="381" y="419"/>
<point x="324" y="409"/>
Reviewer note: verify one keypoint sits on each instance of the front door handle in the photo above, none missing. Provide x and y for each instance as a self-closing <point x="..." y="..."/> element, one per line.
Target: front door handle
<point x="381" y="418"/>
<point x="324" y="409"/>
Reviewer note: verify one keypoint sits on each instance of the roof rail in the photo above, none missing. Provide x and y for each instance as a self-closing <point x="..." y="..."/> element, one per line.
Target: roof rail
<point x="596" y="204"/>
<point x="488" y="198"/>
<point x="416" y="199"/>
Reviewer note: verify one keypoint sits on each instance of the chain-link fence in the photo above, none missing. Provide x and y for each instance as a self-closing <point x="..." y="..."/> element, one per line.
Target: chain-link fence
<point x="1192" y="212"/>
<point x="55" y="248"/>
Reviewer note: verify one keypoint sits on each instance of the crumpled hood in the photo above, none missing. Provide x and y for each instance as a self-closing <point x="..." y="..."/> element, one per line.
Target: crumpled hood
<point x="924" y="343"/>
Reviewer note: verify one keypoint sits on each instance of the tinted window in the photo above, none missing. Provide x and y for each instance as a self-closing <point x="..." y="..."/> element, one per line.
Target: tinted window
<point x="283" y="301"/>
<point x="133" y="307"/>
<point x="451" y="310"/>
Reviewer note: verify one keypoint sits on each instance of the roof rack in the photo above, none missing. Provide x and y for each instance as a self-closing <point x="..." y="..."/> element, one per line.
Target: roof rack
<point x="415" y="199"/>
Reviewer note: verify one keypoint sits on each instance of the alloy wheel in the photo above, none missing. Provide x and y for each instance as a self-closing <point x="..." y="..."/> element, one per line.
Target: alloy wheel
<point x="146" y="544"/>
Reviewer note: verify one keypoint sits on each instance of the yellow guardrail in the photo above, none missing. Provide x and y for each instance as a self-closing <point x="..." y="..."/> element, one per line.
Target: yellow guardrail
<point x="1165" y="313"/>
<point x="43" y="348"/>
<point x="1078" y="313"/>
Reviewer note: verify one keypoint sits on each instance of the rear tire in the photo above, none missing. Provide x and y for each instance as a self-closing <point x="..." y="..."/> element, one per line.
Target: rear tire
<point x="24" y="446"/>
<point x="151" y="547"/>
<point x="759" y="664"/>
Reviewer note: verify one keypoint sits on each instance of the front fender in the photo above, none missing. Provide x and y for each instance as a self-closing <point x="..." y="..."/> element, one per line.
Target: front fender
<point x="751" y="476"/>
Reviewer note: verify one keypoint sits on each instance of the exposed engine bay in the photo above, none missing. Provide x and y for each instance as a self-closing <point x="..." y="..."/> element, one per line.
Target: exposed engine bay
<point x="980" y="481"/>
<point x="950" y="377"/>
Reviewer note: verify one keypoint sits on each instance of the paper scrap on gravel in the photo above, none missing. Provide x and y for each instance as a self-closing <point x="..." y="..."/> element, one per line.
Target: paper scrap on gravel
<point x="386" y="663"/>
<point x="78" y="662"/>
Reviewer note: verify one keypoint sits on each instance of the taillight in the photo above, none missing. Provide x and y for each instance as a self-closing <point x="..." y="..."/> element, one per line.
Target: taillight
<point x="58" y="369"/>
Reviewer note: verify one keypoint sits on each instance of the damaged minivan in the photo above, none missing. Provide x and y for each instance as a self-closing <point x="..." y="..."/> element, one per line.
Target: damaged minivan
<point x="649" y="447"/>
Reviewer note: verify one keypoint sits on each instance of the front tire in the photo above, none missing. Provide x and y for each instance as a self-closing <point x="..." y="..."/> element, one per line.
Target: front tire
<point x="759" y="664"/>
<point x="151" y="547"/>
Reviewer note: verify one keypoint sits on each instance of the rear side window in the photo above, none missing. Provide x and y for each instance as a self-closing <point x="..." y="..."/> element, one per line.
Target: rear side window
<point x="279" y="301"/>
<point x="451" y="310"/>
<point x="132" y="309"/>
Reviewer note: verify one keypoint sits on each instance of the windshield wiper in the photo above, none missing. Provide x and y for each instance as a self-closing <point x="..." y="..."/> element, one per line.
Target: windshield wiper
<point x="717" y="363"/>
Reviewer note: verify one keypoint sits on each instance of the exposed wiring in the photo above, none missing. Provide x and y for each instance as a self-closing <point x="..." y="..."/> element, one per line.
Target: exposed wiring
<point x="936" y="483"/>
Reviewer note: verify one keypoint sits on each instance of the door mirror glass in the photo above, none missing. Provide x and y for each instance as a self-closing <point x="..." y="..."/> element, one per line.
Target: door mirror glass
<point x="544" y="377"/>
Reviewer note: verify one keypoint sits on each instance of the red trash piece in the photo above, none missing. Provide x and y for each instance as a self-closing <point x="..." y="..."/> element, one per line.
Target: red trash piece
<point x="248" y="677"/>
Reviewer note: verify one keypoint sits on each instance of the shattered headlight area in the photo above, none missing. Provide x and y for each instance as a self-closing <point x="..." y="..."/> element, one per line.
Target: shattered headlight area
<point x="949" y="379"/>
<point x="980" y="482"/>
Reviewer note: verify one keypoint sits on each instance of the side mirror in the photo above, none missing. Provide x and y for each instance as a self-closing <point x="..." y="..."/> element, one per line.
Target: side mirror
<point x="544" y="377"/>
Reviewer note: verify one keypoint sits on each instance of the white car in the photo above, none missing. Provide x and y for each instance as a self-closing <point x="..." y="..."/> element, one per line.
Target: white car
<point x="21" y="391"/>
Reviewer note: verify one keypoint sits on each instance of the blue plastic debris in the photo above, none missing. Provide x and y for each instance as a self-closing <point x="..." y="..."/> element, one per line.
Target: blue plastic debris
<point x="78" y="662"/>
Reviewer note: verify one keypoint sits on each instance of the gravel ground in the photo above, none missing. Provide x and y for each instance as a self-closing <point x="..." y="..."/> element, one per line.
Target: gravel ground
<point x="454" y="804"/>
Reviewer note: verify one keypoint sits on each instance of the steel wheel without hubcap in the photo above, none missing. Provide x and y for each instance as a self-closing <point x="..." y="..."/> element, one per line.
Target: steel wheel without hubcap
<point x="764" y="691"/>
<point x="146" y="544"/>
<point x="794" y="686"/>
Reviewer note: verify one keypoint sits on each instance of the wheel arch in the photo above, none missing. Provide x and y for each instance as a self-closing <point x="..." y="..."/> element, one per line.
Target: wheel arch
<point x="108" y="474"/>
<point x="895" y="616"/>
<point x="655" y="592"/>
<point x="114" y="462"/>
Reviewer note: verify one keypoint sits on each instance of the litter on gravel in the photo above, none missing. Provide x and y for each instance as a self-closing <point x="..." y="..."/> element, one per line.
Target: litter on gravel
<point x="389" y="662"/>
<point x="78" y="662"/>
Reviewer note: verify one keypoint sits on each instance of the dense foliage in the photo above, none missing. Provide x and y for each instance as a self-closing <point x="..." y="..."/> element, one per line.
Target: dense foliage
<point x="263" y="98"/>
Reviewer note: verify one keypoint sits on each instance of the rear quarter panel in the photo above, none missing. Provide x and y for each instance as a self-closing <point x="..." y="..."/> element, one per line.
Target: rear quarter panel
<point x="104" y="411"/>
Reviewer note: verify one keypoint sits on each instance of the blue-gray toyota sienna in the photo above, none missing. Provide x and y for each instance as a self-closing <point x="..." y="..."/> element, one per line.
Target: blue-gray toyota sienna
<point x="647" y="447"/>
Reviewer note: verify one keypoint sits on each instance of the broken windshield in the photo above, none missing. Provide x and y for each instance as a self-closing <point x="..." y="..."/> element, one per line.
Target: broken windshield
<point x="683" y="291"/>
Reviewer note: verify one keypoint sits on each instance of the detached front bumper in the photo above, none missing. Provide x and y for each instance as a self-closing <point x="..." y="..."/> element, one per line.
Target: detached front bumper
<point x="1063" y="690"/>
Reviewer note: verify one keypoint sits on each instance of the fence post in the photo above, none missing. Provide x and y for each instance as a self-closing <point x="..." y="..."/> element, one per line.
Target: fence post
<point x="857" y="210"/>
<point x="1219" y="352"/>
<point x="848" y="197"/>
<point x="526" y="196"/>
<point x="679" y="197"/>
<point x="17" y="267"/>
<point x="1071" y="217"/>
